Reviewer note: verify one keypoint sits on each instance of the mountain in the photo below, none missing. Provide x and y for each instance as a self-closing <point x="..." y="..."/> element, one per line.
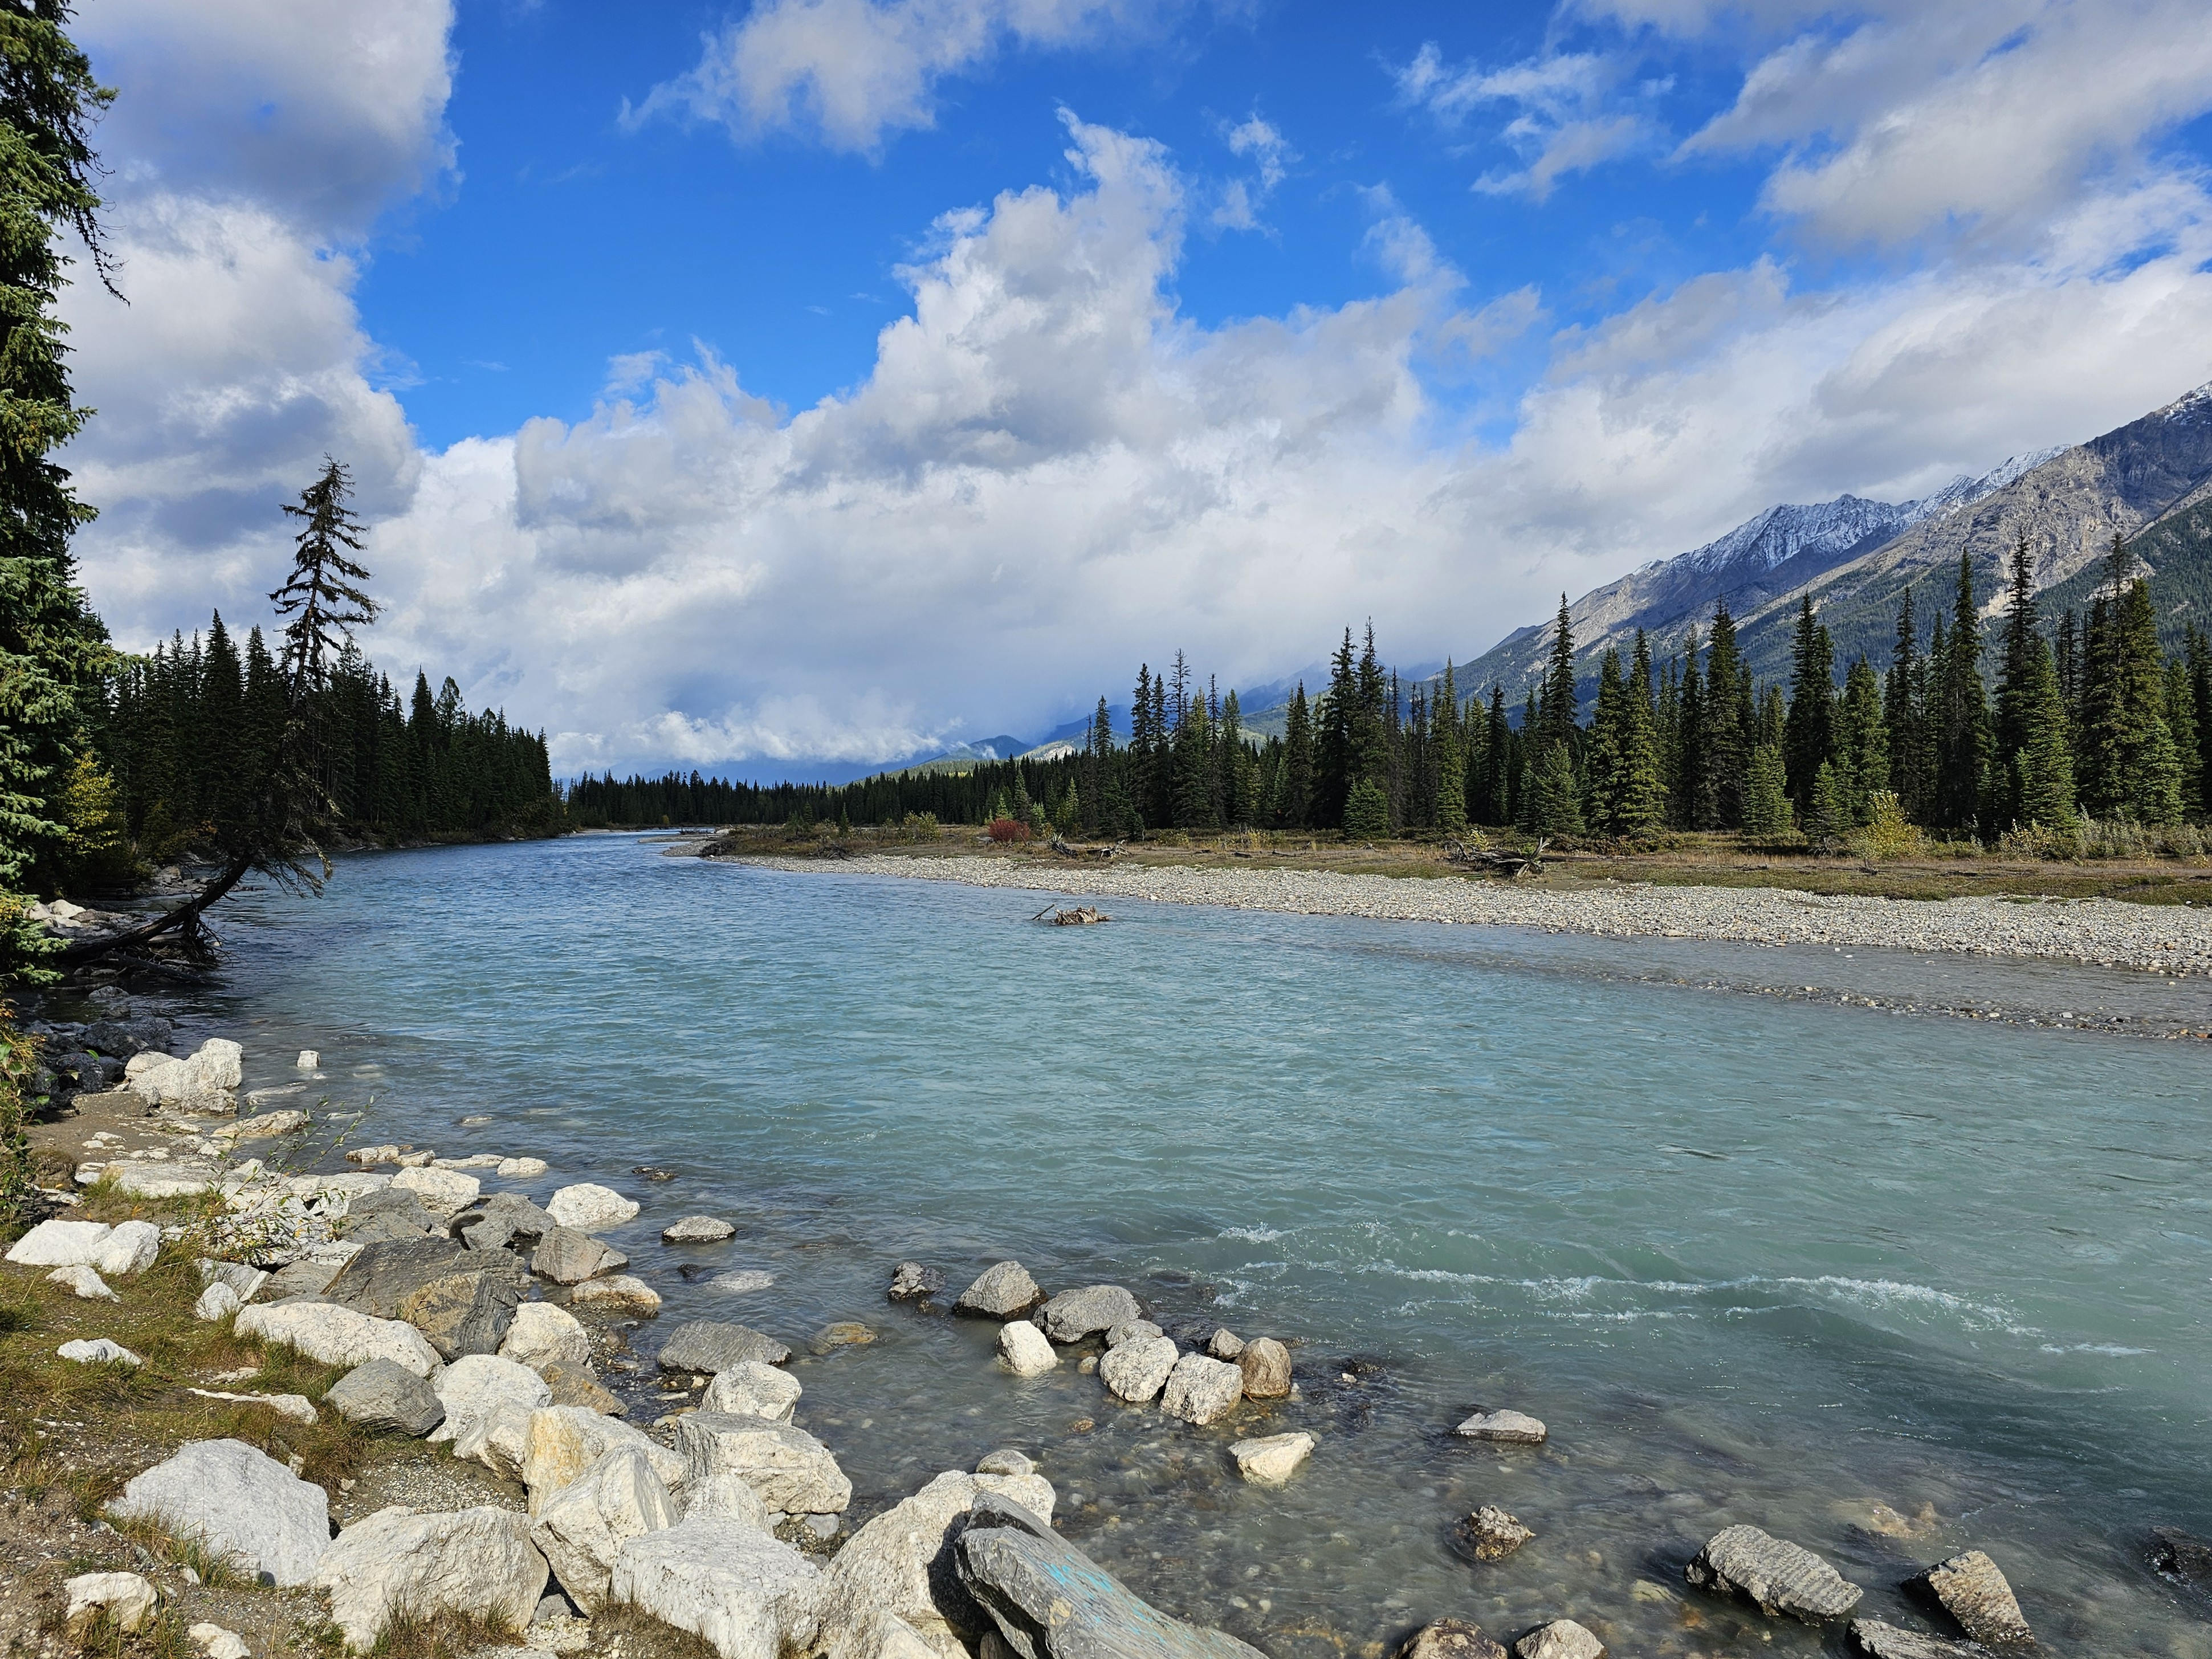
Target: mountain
<point x="1856" y="557"/>
<point x="965" y="757"/>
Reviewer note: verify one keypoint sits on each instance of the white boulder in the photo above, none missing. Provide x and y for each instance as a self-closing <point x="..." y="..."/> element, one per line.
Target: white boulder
<point x="237" y="1502"/>
<point x="750" y="1388"/>
<point x="124" y="1599"/>
<point x="561" y="1441"/>
<point x="215" y="1303"/>
<point x="214" y="1642"/>
<point x="788" y="1467"/>
<point x="589" y="1207"/>
<point x="729" y="1496"/>
<point x="542" y="1333"/>
<point x="443" y="1192"/>
<point x="339" y="1336"/>
<point x="1024" y="1350"/>
<point x="129" y="1249"/>
<point x="746" y="1595"/>
<point x="479" y="1387"/>
<point x="1272" y="1458"/>
<point x="84" y="1282"/>
<point x="582" y="1528"/>
<point x="59" y="1244"/>
<point x="479" y="1562"/>
<point x="520" y="1168"/>
<point x="100" y="1350"/>
<point x="1138" y="1368"/>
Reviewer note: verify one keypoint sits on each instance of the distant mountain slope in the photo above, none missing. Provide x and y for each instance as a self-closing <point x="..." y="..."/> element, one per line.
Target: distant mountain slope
<point x="1856" y="556"/>
<point x="2178" y="552"/>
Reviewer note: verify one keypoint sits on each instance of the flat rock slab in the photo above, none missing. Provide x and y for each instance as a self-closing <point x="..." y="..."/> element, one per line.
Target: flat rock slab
<point x="1073" y="1314"/>
<point x="505" y="1221"/>
<point x="238" y="1504"/>
<point x="479" y="1562"/>
<point x="1972" y="1589"/>
<point x="1450" y="1638"/>
<point x="1562" y="1639"/>
<point x="1001" y="1292"/>
<point x="386" y="1398"/>
<point x="1878" y="1640"/>
<point x="711" y="1344"/>
<point x="98" y="1351"/>
<point x="1780" y="1577"/>
<point x="1506" y="1428"/>
<point x="155" y="1179"/>
<point x="1049" y="1600"/>
<point x="697" y="1230"/>
<point x="742" y="1592"/>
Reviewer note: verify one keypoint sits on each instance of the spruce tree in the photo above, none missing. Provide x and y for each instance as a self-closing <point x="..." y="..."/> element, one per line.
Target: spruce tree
<point x="1808" y="740"/>
<point x="2042" y="765"/>
<point x="1862" y="745"/>
<point x="2025" y="660"/>
<point x="1497" y="762"/>
<point x="1557" y="710"/>
<point x="1830" y="819"/>
<point x="1295" y="810"/>
<point x="1605" y="758"/>
<point x="1333" y="757"/>
<point x="52" y="647"/>
<point x="323" y="596"/>
<point x="1728" y="716"/>
<point x="1555" y="804"/>
<point x="1366" y="813"/>
<point x="1766" y="812"/>
<point x="1905" y="717"/>
<point x="1640" y="804"/>
<point x="1449" y="765"/>
<point x="1961" y="714"/>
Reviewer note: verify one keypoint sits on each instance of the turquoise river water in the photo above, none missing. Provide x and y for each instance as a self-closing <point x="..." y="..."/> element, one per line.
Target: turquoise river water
<point x="1751" y="1259"/>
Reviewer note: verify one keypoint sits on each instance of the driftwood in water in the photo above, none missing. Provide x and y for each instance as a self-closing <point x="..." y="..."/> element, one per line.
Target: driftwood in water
<point x="1082" y="916"/>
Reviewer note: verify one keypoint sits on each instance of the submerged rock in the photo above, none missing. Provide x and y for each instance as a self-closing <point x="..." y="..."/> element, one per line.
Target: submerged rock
<point x="237" y="1501"/>
<point x="1266" y="1364"/>
<point x="477" y="1562"/>
<point x="617" y="1294"/>
<point x="1199" y="1389"/>
<point x="843" y="1333"/>
<point x="1450" y="1638"/>
<point x="711" y="1344"/>
<point x="697" y="1230"/>
<point x="1272" y="1458"/>
<point x="1878" y="1640"/>
<point x="1049" y="1600"/>
<point x="1510" y="1428"/>
<point x="912" y="1282"/>
<point x="1562" y="1638"/>
<point x="1073" y="1314"/>
<point x="1003" y="1291"/>
<point x="1493" y="1535"/>
<point x="1023" y="1351"/>
<point x="1781" y="1577"/>
<point x="383" y="1397"/>
<point x="1972" y="1589"/>
<point x="2181" y="1557"/>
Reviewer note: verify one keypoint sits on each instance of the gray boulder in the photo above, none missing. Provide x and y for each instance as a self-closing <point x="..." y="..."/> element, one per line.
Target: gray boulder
<point x="710" y="1344"/>
<point x="1132" y="1330"/>
<point x="1878" y="1640"/>
<point x="1504" y="1428"/>
<point x="1781" y="1577"/>
<point x="387" y="1399"/>
<point x="1972" y="1589"/>
<point x="1073" y="1314"/>
<point x="787" y="1468"/>
<point x="1266" y="1364"/>
<point x="1199" y="1389"/>
<point x="1137" y="1370"/>
<point x="1049" y="1600"/>
<point x="1493" y="1534"/>
<point x="238" y="1504"/>
<point x="305" y="1277"/>
<point x="394" y="1204"/>
<point x="463" y="1300"/>
<point x="1450" y="1638"/>
<point x="1562" y="1638"/>
<point x="1003" y="1291"/>
<point x="747" y="1596"/>
<point x="752" y="1389"/>
<point x="697" y="1230"/>
<point x="567" y="1255"/>
<point x="912" y="1282"/>
<point x="504" y="1221"/>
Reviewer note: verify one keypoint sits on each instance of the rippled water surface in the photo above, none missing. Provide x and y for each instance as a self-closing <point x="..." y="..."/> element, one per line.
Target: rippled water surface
<point x="1752" y="1260"/>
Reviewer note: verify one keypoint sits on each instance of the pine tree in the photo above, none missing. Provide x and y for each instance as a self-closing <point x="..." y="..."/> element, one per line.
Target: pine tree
<point x="1366" y="813"/>
<point x="52" y="647"/>
<point x="1556" y="712"/>
<point x="1961" y="714"/>
<point x="1555" y="804"/>
<point x="1296" y="810"/>
<point x="1449" y="763"/>
<point x="1766" y="814"/>
<point x="1727" y="715"/>
<point x="1640" y="803"/>
<point x="1809" y="739"/>
<point x="1862" y="746"/>
<point x="2024" y="661"/>
<point x="2042" y="765"/>
<point x="1333" y="758"/>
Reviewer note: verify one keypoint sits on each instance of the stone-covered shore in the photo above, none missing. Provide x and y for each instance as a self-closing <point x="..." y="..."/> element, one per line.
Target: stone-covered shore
<point x="379" y="1399"/>
<point x="2157" y="939"/>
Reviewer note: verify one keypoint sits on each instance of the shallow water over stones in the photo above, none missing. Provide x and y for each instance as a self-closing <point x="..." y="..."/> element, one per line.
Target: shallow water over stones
<point x="1752" y="1260"/>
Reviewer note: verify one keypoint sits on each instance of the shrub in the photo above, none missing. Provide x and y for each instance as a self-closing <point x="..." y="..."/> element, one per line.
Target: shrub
<point x="1008" y="829"/>
<point x="1889" y="834"/>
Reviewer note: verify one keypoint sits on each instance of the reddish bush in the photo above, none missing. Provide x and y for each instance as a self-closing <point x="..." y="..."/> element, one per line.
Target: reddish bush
<point x="1009" y="829"/>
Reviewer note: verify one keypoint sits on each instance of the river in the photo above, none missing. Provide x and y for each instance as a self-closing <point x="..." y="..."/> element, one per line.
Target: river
<point x="1751" y="1259"/>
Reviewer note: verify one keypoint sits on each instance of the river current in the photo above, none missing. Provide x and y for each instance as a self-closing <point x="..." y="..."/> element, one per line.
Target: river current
<point x="1752" y="1260"/>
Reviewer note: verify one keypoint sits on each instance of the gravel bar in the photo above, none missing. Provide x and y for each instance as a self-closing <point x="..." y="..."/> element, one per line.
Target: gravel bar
<point x="2108" y="933"/>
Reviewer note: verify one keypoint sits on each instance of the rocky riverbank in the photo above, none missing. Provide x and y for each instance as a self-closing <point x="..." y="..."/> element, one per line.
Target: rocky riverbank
<point x="352" y="1396"/>
<point x="2171" y="939"/>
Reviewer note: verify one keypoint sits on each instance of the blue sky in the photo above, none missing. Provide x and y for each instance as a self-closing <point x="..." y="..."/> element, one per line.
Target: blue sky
<point x="804" y="385"/>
